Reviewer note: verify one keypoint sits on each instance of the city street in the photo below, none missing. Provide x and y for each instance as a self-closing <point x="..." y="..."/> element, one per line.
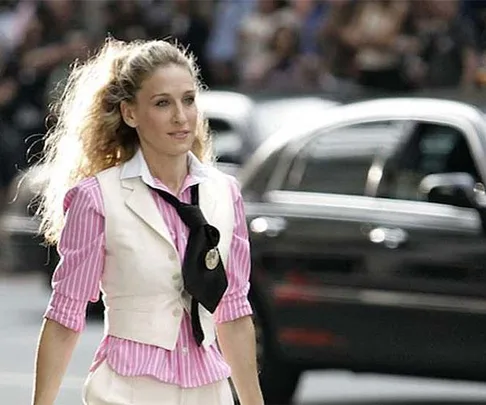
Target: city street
<point x="23" y="299"/>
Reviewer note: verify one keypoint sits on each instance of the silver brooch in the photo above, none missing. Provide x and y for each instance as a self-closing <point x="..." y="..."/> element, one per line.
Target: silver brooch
<point x="212" y="259"/>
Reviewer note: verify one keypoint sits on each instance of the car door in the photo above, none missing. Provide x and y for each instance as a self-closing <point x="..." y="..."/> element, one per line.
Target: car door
<point x="428" y="260"/>
<point x="306" y="233"/>
<point x="439" y="246"/>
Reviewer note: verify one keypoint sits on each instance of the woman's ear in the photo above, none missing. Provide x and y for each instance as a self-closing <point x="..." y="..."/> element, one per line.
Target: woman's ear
<point x="128" y="114"/>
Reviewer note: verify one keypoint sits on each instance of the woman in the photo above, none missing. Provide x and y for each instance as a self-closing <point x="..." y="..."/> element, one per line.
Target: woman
<point x="128" y="134"/>
<point x="375" y="34"/>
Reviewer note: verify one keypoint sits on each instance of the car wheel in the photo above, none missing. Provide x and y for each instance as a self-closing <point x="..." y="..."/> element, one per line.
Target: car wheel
<point x="278" y="379"/>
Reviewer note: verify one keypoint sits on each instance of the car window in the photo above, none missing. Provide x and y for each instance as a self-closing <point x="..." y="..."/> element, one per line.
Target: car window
<point x="218" y="125"/>
<point x="253" y="189"/>
<point x="338" y="162"/>
<point x="432" y="149"/>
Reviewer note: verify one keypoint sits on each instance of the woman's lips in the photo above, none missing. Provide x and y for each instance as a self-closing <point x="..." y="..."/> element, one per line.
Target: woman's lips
<point x="179" y="134"/>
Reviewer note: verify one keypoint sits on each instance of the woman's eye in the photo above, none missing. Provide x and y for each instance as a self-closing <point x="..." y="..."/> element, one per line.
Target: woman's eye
<point x="162" y="103"/>
<point x="189" y="100"/>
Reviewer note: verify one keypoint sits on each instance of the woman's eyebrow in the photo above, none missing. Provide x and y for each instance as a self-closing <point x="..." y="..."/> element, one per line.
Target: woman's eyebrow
<point x="160" y="95"/>
<point x="171" y="95"/>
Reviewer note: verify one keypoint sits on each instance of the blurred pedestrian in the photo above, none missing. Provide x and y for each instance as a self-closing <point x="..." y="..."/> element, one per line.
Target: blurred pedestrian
<point x="375" y="32"/>
<point x="7" y="173"/>
<point x="10" y="154"/>
<point x="139" y="212"/>
<point x="450" y="47"/>
<point x="255" y="33"/>
<point x="284" y="68"/>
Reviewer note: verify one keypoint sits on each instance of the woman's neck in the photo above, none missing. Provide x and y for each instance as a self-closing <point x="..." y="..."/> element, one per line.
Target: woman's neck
<point x="170" y="170"/>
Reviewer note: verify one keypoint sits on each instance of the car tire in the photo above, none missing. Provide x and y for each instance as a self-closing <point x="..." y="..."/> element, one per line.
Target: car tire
<point x="278" y="379"/>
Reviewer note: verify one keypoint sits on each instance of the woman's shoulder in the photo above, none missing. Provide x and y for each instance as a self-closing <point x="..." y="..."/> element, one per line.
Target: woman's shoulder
<point x="109" y="172"/>
<point x="214" y="172"/>
<point x="225" y="179"/>
<point x="88" y="183"/>
<point x="87" y="190"/>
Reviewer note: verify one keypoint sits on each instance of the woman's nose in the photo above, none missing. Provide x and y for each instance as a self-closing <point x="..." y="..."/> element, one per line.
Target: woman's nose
<point x="179" y="114"/>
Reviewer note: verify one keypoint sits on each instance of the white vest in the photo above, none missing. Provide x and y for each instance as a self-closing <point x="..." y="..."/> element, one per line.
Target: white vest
<point x="142" y="281"/>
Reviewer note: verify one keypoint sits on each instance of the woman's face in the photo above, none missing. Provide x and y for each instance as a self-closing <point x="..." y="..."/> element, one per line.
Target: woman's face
<point x="164" y="112"/>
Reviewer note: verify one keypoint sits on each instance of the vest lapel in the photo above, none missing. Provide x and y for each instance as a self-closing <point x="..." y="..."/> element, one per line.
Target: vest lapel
<point x="207" y="202"/>
<point x="141" y="202"/>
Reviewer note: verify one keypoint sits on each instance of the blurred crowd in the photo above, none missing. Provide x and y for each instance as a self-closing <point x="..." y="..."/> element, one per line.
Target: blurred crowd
<point x="249" y="45"/>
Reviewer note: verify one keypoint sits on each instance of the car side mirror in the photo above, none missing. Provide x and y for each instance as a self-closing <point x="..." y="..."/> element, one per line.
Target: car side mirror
<point x="458" y="189"/>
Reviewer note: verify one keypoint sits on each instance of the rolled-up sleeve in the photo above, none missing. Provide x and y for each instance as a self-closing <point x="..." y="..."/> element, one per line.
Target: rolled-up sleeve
<point x="235" y="303"/>
<point x="82" y="253"/>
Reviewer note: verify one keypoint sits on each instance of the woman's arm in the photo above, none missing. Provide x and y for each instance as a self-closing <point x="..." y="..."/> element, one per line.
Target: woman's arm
<point x="75" y="282"/>
<point x="236" y="334"/>
<point x="56" y="345"/>
<point x="237" y="342"/>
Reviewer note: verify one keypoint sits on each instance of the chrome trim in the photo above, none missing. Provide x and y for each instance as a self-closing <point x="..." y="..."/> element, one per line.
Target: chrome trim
<point x="370" y="209"/>
<point x="373" y="297"/>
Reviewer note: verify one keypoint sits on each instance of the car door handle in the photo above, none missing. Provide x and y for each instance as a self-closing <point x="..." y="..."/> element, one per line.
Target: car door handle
<point x="388" y="237"/>
<point x="269" y="226"/>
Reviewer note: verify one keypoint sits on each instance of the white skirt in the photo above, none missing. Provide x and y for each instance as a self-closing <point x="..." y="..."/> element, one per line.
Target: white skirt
<point x="105" y="387"/>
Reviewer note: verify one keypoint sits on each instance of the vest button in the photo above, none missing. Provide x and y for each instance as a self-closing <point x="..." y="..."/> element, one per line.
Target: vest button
<point x="172" y="256"/>
<point x="176" y="277"/>
<point x="176" y="312"/>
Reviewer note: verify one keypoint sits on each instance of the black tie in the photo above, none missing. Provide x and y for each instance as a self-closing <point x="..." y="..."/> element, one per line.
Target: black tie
<point x="202" y="269"/>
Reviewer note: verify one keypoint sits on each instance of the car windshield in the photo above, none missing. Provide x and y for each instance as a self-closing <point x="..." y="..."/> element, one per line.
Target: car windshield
<point x="271" y="116"/>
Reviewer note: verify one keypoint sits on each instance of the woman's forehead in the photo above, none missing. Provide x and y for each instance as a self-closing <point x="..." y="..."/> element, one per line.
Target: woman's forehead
<point x="170" y="80"/>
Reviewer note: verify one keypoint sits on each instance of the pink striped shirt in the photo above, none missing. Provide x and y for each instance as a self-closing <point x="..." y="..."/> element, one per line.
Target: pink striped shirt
<point x="77" y="278"/>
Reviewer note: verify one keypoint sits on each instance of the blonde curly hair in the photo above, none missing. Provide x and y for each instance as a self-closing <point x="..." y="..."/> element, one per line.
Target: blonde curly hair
<point x="89" y="134"/>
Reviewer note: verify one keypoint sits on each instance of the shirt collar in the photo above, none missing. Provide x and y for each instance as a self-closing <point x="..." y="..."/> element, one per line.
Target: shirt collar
<point x="137" y="167"/>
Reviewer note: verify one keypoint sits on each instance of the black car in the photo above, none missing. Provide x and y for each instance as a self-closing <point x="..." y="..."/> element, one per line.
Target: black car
<point x="368" y="241"/>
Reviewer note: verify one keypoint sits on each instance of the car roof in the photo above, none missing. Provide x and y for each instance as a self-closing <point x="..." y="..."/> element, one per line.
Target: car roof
<point x="238" y="105"/>
<point x="402" y="108"/>
<point x="235" y="104"/>
<point x="258" y="117"/>
<point x="410" y="107"/>
<point x="271" y="115"/>
<point x="397" y="108"/>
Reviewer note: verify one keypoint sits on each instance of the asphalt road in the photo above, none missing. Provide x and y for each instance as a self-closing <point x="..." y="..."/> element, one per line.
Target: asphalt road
<point x="23" y="299"/>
